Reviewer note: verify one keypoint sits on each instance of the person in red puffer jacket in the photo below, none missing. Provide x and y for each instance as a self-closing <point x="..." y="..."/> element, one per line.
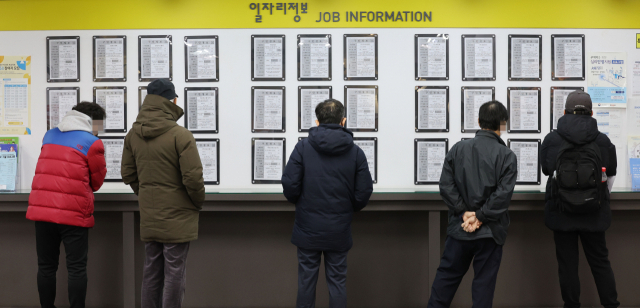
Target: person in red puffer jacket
<point x="70" y="168"/>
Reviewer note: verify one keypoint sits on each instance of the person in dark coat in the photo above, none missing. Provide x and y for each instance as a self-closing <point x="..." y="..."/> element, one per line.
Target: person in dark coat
<point x="477" y="182"/>
<point x="578" y="126"/>
<point x="327" y="178"/>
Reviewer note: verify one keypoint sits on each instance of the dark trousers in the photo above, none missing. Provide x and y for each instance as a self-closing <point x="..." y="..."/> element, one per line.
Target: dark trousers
<point x="595" y="249"/>
<point x="456" y="259"/>
<point x="164" y="275"/>
<point x="76" y="246"/>
<point x="335" y="266"/>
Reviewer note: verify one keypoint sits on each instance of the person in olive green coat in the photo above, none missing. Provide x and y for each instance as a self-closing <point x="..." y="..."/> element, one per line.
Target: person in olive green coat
<point x="160" y="162"/>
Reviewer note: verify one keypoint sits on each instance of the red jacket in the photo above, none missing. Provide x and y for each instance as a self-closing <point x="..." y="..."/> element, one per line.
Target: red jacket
<point x="70" y="168"/>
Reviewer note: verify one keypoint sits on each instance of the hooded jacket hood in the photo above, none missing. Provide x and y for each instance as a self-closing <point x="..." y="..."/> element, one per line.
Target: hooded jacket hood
<point x="331" y="139"/>
<point x="76" y="120"/>
<point x="578" y="129"/>
<point x="157" y="116"/>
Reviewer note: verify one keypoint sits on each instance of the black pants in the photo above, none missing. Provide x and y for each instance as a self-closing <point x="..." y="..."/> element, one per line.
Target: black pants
<point x="76" y="245"/>
<point x="486" y="256"/>
<point x="595" y="249"/>
<point x="335" y="267"/>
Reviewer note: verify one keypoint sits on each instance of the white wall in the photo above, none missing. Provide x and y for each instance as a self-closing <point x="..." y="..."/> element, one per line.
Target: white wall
<point x="396" y="91"/>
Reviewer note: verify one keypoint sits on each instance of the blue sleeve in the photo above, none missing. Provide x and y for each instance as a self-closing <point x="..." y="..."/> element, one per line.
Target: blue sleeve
<point x="293" y="174"/>
<point x="364" y="182"/>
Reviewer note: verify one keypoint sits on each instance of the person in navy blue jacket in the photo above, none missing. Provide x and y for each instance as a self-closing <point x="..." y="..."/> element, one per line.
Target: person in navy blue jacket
<point x="328" y="179"/>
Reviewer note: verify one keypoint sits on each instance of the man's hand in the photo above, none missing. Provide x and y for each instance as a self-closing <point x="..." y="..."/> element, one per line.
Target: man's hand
<point x="471" y="222"/>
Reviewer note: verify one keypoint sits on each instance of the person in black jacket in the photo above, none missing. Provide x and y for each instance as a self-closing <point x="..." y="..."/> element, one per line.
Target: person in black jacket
<point x="477" y="181"/>
<point x="578" y="126"/>
<point x="328" y="179"/>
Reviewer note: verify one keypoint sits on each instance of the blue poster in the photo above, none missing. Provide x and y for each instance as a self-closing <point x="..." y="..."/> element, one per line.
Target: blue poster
<point x="634" y="164"/>
<point x="8" y="167"/>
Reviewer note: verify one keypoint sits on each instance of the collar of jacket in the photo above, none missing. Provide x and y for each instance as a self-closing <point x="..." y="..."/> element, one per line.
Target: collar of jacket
<point x="490" y="134"/>
<point x="156" y="103"/>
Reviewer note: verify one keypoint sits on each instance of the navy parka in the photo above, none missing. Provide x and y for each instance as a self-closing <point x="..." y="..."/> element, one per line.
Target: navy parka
<point x="327" y="178"/>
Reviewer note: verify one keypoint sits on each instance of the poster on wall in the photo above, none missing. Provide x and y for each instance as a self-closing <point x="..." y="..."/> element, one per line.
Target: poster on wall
<point x="636" y="78"/>
<point x="369" y="146"/>
<point x="360" y="57"/>
<point x="59" y="102"/>
<point x="109" y="58"/>
<point x="525" y="57"/>
<point x="268" y="160"/>
<point x="268" y="58"/>
<point x="113" y="147"/>
<point x="268" y="109"/>
<point x="431" y="56"/>
<point x="472" y="99"/>
<point x="114" y="102"/>
<point x="428" y="158"/>
<point x="558" y="100"/>
<point x="308" y="100"/>
<point x="63" y="58"/>
<point x="527" y="154"/>
<point x="523" y="105"/>
<point x="201" y="110"/>
<point x="15" y="95"/>
<point x="479" y="57"/>
<point x="201" y="61"/>
<point x="361" y="108"/>
<point x="314" y="57"/>
<point x="209" y="150"/>
<point x="607" y="79"/>
<point x="567" y="57"/>
<point x="155" y="57"/>
<point x="432" y="109"/>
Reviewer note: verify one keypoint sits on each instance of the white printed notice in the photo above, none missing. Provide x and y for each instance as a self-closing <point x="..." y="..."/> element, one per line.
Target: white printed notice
<point x="361" y="57"/>
<point x="201" y="59"/>
<point x="568" y="57"/>
<point x="559" y="97"/>
<point x="309" y="99"/>
<point x="523" y="110"/>
<point x="268" y="57"/>
<point x="527" y="156"/>
<point x="369" y="149"/>
<point x="109" y="58"/>
<point x="314" y="57"/>
<point x="636" y="78"/>
<point x="113" y="102"/>
<point x="142" y="94"/>
<point x="473" y="99"/>
<point x="607" y="79"/>
<point x="612" y="122"/>
<point x="430" y="156"/>
<point x="15" y="95"/>
<point x="432" y="57"/>
<point x="63" y="59"/>
<point x="60" y="102"/>
<point x="268" y="109"/>
<point x="201" y="110"/>
<point x="525" y="58"/>
<point x="208" y="151"/>
<point x="267" y="160"/>
<point x="361" y="108"/>
<point x="478" y="58"/>
<point x="432" y="109"/>
<point x="155" y="58"/>
<point x="113" y="156"/>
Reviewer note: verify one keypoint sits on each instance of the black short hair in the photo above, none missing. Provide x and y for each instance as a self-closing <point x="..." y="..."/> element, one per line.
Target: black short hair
<point x="330" y="111"/>
<point x="91" y="109"/>
<point x="491" y="114"/>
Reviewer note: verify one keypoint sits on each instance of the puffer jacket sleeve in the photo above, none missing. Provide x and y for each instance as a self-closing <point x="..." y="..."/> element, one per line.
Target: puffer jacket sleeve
<point x="293" y="174"/>
<point x="191" y="167"/>
<point x="364" y="183"/>
<point x="97" y="165"/>
<point x="128" y="168"/>
<point x="498" y="202"/>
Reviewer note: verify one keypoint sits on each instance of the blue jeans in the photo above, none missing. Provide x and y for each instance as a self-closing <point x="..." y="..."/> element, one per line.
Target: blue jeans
<point x="335" y="264"/>
<point x="456" y="259"/>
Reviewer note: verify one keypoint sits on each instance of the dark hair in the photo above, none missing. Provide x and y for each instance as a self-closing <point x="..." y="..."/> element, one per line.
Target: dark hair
<point x="491" y="114"/>
<point x="91" y="109"/>
<point x="330" y="111"/>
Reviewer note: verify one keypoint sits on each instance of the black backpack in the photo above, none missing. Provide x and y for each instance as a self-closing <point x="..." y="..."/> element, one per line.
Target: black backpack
<point x="578" y="181"/>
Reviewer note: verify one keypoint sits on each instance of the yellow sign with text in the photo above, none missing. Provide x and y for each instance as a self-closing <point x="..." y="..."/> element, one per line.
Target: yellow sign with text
<point x="638" y="40"/>
<point x="206" y="14"/>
